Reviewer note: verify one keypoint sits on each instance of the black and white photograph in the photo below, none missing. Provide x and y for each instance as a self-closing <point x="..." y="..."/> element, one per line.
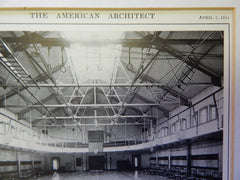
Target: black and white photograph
<point x="133" y="94"/>
<point x="112" y="104"/>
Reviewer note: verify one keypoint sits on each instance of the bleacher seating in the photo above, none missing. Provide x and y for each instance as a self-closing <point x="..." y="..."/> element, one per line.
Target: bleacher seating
<point x="179" y="172"/>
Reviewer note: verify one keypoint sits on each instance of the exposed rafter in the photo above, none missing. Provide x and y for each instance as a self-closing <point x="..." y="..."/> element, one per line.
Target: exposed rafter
<point x="140" y="43"/>
<point x="91" y="117"/>
<point x="30" y="107"/>
<point x="99" y="124"/>
<point x="42" y="85"/>
<point x="191" y="62"/>
<point x="183" y="99"/>
<point x="159" y="107"/>
<point x="85" y="105"/>
<point x="69" y="99"/>
<point x="39" y="78"/>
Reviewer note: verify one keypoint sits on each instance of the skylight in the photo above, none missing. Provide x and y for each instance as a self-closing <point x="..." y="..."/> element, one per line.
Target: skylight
<point x="94" y="54"/>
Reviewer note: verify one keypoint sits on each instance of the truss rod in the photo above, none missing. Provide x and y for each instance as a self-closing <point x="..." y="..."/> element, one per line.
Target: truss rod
<point x="94" y="85"/>
<point x="101" y="124"/>
<point x="82" y="105"/>
<point x="29" y="91"/>
<point x="108" y="101"/>
<point x="139" y="73"/>
<point x="116" y="95"/>
<point x="92" y="117"/>
<point x="37" y="79"/>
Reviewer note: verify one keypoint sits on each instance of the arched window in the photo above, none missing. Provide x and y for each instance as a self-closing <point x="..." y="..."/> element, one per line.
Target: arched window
<point x="203" y="115"/>
<point x="159" y="134"/>
<point x="194" y="119"/>
<point x="2" y="127"/>
<point x="183" y="123"/>
<point x="166" y="131"/>
<point x="162" y="131"/>
<point x="173" y="128"/>
<point x="212" y="112"/>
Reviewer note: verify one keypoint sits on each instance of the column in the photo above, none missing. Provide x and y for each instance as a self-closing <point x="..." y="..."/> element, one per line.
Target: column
<point x="18" y="164"/>
<point x="189" y="161"/>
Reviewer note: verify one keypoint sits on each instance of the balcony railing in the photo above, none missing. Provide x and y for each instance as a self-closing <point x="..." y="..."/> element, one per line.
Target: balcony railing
<point x="189" y="123"/>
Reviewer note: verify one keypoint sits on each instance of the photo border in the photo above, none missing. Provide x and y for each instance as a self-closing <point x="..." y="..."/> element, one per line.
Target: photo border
<point x="232" y="51"/>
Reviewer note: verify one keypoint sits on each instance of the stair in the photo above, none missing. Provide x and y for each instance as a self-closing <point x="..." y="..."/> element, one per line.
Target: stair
<point x="13" y="65"/>
<point x="186" y="77"/>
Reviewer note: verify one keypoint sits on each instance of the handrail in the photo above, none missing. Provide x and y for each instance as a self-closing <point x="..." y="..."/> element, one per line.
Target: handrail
<point x="14" y="120"/>
<point x="177" y="114"/>
<point x="145" y="137"/>
<point x="45" y="141"/>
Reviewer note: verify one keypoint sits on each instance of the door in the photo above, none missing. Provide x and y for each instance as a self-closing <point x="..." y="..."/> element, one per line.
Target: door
<point x="96" y="162"/>
<point x="136" y="161"/>
<point x="55" y="164"/>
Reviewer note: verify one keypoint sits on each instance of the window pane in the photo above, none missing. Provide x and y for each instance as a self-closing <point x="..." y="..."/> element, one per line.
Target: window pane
<point x="203" y="115"/>
<point x="212" y="113"/>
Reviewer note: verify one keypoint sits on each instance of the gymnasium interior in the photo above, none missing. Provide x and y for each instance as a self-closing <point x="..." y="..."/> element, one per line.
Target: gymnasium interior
<point x="111" y="105"/>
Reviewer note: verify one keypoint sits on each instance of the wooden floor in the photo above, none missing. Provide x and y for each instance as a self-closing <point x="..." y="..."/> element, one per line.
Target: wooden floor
<point x="103" y="175"/>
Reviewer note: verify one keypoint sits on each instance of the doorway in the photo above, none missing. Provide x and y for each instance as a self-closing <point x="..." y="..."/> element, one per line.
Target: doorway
<point x="55" y="164"/>
<point x="136" y="161"/>
<point x="96" y="162"/>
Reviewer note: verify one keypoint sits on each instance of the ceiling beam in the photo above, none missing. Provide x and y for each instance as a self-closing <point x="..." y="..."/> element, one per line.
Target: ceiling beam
<point x="92" y="85"/>
<point x="99" y="124"/>
<point x="141" y="70"/>
<point x="37" y="79"/>
<point x="90" y="117"/>
<point x="145" y="77"/>
<point x="47" y="71"/>
<point x="29" y="107"/>
<point x="190" y="61"/>
<point x="140" y="43"/>
<point x="82" y="105"/>
<point x="159" y="107"/>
